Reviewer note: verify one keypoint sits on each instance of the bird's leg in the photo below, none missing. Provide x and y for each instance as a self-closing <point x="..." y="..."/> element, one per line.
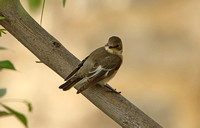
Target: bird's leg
<point x="111" y="89"/>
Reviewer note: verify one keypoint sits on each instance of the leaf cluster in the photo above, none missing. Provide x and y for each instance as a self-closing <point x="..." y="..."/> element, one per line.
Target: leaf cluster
<point x="11" y="112"/>
<point x="2" y="30"/>
<point x="8" y="111"/>
<point x="6" y="64"/>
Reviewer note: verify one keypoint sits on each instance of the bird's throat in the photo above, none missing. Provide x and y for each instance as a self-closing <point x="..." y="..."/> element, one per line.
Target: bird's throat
<point x="113" y="50"/>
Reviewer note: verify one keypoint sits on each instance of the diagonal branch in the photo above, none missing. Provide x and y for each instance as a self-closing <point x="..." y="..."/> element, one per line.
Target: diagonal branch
<point x="52" y="53"/>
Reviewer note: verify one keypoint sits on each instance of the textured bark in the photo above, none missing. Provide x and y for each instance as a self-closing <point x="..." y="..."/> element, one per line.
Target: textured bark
<point x="52" y="53"/>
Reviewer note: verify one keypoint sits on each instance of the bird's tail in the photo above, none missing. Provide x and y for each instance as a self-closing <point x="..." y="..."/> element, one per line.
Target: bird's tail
<point x="69" y="83"/>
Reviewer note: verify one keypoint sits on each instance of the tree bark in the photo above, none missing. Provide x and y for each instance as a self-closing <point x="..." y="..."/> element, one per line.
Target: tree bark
<point x="52" y="53"/>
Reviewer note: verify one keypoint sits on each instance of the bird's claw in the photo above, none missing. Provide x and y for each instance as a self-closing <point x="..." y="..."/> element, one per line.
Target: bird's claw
<point x="112" y="90"/>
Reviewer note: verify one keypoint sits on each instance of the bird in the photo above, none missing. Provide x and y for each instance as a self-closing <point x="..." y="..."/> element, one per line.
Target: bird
<point x="97" y="68"/>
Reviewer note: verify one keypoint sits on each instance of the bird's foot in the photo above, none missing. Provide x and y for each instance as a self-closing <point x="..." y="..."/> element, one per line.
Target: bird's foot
<point x="111" y="89"/>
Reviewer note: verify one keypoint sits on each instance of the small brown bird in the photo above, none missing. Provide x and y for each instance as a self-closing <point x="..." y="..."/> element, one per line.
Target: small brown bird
<point x="98" y="68"/>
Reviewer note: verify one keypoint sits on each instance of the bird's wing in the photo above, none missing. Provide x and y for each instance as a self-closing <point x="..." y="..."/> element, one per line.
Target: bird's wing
<point x="72" y="79"/>
<point x="96" y="75"/>
<point x="70" y="83"/>
<point x="76" y="69"/>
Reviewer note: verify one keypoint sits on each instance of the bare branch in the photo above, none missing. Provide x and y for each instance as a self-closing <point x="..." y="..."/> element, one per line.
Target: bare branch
<point x="52" y="53"/>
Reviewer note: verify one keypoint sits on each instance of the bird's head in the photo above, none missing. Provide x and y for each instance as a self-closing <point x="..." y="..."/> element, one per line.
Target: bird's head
<point x="114" y="45"/>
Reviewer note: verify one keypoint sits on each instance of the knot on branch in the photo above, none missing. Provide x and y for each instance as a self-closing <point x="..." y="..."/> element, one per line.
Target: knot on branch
<point x="56" y="44"/>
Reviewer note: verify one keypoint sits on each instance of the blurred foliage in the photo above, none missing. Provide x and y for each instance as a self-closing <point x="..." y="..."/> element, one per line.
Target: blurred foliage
<point x="6" y="64"/>
<point x="2" y="92"/>
<point x="11" y="112"/>
<point x="1" y="18"/>
<point x="2" y="30"/>
<point x="64" y="1"/>
<point x="3" y="113"/>
<point x="8" y="110"/>
<point x="2" y="48"/>
<point x="34" y="4"/>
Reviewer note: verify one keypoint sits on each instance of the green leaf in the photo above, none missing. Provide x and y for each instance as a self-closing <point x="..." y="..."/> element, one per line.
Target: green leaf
<point x="2" y="92"/>
<point x="18" y="115"/>
<point x="29" y="105"/>
<point x="64" y="1"/>
<point x="2" y="31"/>
<point x="34" y="4"/>
<point x="1" y="18"/>
<point x="2" y="48"/>
<point x="30" y="108"/>
<point x="6" y="64"/>
<point x="4" y="113"/>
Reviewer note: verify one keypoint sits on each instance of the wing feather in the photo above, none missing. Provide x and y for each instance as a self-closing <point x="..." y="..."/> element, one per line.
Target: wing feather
<point x="72" y="79"/>
<point x="76" y="69"/>
<point x="94" y="77"/>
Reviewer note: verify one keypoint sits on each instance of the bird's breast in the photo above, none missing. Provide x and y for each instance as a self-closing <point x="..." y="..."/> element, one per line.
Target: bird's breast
<point x="104" y="81"/>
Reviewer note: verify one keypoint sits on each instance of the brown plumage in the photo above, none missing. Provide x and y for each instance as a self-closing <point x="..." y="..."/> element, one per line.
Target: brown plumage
<point x="98" y="68"/>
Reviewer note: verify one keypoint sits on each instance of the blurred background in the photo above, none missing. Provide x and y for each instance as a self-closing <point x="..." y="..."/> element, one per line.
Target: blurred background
<point x="160" y="73"/>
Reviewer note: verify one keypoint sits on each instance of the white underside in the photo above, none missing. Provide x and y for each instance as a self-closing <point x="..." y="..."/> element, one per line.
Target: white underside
<point x="105" y="81"/>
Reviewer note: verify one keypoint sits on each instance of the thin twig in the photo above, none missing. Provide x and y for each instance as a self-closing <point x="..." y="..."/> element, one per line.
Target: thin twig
<point x="42" y="12"/>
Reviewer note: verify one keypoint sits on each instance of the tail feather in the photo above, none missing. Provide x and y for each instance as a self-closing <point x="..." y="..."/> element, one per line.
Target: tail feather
<point x="70" y="83"/>
<point x="81" y="89"/>
<point x="84" y="87"/>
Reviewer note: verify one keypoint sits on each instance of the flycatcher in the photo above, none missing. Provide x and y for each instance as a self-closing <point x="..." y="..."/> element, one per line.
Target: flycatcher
<point x="98" y="68"/>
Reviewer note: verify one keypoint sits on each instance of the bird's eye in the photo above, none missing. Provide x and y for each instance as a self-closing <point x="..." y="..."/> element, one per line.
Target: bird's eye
<point x="114" y="46"/>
